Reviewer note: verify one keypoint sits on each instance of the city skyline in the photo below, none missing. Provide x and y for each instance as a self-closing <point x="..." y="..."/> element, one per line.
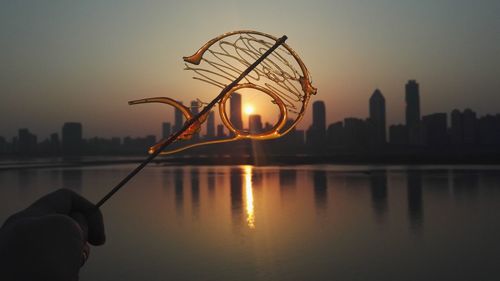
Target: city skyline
<point x="376" y="109"/>
<point x="115" y="51"/>
<point x="462" y="129"/>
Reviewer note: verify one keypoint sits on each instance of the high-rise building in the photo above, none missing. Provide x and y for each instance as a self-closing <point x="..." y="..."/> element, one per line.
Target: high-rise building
<point x="457" y="127"/>
<point x="179" y="119"/>
<point x="72" y="143"/>
<point x="355" y="132"/>
<point x="398" y="134"/>
<point x="487" y="130"/>
<point x="27" y="142"/>
<point x="235" y="111"/>
<point x="166" y="129"/>
<point x="317" y="132"/>
<point x="55" y="145"/>
<point x="435" y="129"/>
<point x="220" y="131"/>
<point x="470" y="126"/>
<point x="413" y="112"/>
<point x="211" y="125"/>
<point x="319" y="117"/>
<point x="255" y="123"/>
<point x="195" y="109"/>
<point x="335" y="134"/>
<point x="377" y="118"/>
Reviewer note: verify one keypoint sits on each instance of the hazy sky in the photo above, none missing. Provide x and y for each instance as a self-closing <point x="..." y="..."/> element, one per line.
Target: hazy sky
<point x="83" y="60"/>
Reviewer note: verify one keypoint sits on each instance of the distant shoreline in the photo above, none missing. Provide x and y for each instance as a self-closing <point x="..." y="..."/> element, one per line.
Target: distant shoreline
<point x="346" y="159"/>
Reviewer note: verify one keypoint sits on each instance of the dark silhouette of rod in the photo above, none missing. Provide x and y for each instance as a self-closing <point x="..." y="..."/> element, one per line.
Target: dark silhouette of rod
<point x="190" y="122"/>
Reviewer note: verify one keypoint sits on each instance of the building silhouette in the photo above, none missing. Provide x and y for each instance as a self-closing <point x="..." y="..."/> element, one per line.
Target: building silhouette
<point x="178" y="118"/>
<point x="26" y="142"/>
<point x="489" y="130"/>
<point x="72" y="144"/>
<point x="195" y="109"/>
<point x="469" y="127"/>
<point x="166" y="130"/>
<point x="355" y="132"/>
<point x="220" y="131"/>
<point x="413" y="112"/>
<point x="255" y="123"/>
<point x="55" y="144"/>
<point x="317" y="131"/>
<point x="398" y="134"/>
<point x="335" y="134"/>
<point x="457" y="127"/>
<point x="377" y="118"/>
<point x="210" y="125"/>
<point x="235" y="111"/>
<point x="435" y="129"/>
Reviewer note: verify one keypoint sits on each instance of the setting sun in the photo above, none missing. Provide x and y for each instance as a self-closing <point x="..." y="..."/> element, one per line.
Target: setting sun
<point x="249" y="109"/>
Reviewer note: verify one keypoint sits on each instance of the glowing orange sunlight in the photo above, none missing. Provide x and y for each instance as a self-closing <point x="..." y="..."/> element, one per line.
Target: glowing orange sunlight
<point x="249" y="109"/>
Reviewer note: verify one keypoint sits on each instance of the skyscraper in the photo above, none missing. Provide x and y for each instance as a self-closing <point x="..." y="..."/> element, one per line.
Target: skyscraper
<point x="434" y="129"/>
<point x="195" y="109"/>
<point x="179" y="119"/>
<point x="220" y="131"/>
<point x="319" y="117"/>
<point x="211" y="125"/>
<point x="317" y="132"/>
<point x="457" y="127"/>
<point x="235" y="111"/>
<point x="470" y="126"/>
<point x="255" y="123"/>
<point x="72" y="139"/>
<point x="413" y="112"/>
<point x="27" y="142"/>
<point x="377" y="117"/>
<point x="166" y="129"/>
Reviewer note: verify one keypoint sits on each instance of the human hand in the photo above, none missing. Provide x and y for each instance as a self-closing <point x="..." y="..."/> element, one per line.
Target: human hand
<point x="48" y="240"/>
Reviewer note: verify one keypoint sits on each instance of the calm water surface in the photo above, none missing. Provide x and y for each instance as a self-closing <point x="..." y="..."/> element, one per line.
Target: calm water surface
<point x="284" y="223"/>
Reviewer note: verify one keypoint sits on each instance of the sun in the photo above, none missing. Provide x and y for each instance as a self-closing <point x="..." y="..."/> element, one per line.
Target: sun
<point x="249" y="109"/>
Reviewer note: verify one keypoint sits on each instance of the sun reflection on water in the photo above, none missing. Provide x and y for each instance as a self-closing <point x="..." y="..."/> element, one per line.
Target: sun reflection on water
<point x="249" y="196"/>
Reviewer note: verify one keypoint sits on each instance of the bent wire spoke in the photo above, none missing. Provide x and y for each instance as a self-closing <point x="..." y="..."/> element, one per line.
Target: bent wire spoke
<point x="191" y="123"/>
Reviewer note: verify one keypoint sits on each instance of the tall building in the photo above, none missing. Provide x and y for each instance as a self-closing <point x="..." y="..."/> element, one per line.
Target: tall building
<point x="220" y="131"/>
<point x="487" y="130"/>
<point x="255" y="123"/>
<point x="72" y="143"/>
<point x="27" y="142"/>
<point x="355" y="132"/>
<point x="235" y="111"/>
<point x="398" y="134"/>
<point x="166" y="130"/>
<point x="179" y="119"/>
<point x="317" y="132"/>
<point x="457" y="128"/>
<point x="469" y="126"/>
<point x="435" y="127"/>
<point x="211" y="125"/>
<point x="195" y="109"/>
<point x="55" y="145"/>
<point x="413" y="112"/>
<point x="319" y="116"/>
<point x="335" y="134"/>
<point x="377" y="118"/>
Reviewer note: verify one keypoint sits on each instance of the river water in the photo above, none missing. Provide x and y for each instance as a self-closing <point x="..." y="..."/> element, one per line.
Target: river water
<point x="317" y="222"/>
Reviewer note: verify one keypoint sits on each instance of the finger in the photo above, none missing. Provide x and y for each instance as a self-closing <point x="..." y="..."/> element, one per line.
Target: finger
<point x="82" y="222"/>
<point x="93" y="216"/>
